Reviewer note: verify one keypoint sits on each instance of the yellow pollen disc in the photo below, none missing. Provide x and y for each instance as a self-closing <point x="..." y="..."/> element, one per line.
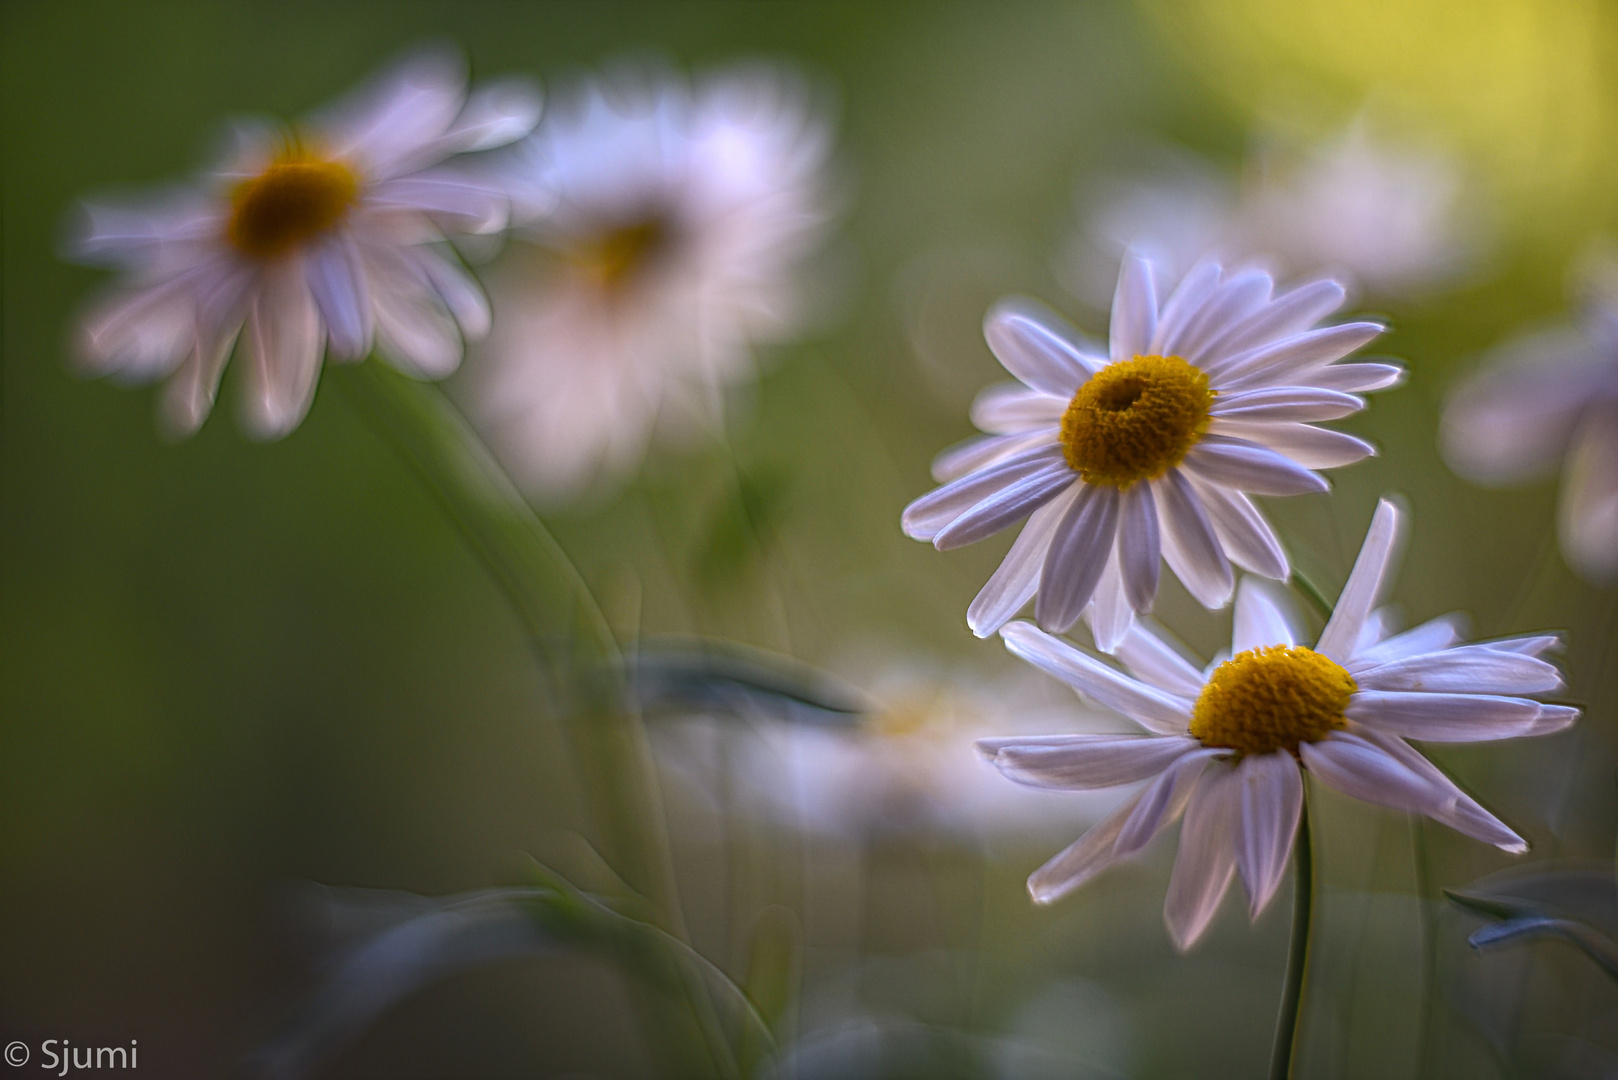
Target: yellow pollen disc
<point x="1272" y="698"/>
<point x="619" y="254"/>
<point x="1136" y="420"/>
<point x="294" y="200"/>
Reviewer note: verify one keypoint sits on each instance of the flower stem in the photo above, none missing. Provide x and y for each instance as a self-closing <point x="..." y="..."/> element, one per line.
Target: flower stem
<point x="1284" y="1056"/>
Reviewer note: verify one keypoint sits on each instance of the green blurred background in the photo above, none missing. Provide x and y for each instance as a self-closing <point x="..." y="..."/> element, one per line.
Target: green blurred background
<point x="231" y="667"/>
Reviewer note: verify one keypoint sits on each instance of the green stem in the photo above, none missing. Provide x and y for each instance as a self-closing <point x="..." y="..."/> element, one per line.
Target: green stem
<point x="1312" y="593"/>
<point x="1426" y="1058"/>
<point x="1284" y="1057"/>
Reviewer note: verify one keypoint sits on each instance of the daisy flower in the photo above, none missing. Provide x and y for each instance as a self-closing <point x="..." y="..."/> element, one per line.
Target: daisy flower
<point x="1552" y="397"/>
<point x="1228" y="746"/>
<point x="1150" y="451"/>
<point x="675" y="219"/>
<point x="306" y="240"/>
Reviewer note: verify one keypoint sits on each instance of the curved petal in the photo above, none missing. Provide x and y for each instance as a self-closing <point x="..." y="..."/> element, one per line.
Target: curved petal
<point x="1078" y="554"/>
<point x="1272" y="801"/>
<point x="926" y="517"/>
<point x="1163" y="800"/>
<point x="1190" y="545"/>
<point x="1355" y="378"/>
<point x="1013" y="584"/>
<point x="1454" y="807"/>
<point x="1360" y="769"/>
<point x="1005" y="508"/>
<point x="1364" y="585"/>
<point x="1286" y="315"/>
<point x="1081" y="860"/>
<point x="1134" y="309"/>
<point x="1207" y="858"/>
<point x="1099" y="761"/>
<point x="1030" y="343"/>
<point x="1156" y="710"/>
<point x="336" y="279"/>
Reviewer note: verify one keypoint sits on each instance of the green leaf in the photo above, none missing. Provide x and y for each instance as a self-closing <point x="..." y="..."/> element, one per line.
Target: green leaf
<point x="686" y="676"/>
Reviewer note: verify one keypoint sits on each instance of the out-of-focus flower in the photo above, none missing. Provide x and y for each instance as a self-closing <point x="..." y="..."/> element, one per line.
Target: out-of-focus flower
<point x="1227" y="746"/>
<point x="1382" y="215"/>
<point x="675" y="220"/>
<point x="311" y="237"/>
<point x="1547" y="398"/>
<point x="1150" y="451"/>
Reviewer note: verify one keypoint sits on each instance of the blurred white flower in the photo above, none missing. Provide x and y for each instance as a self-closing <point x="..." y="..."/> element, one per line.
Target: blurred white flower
<point x="1119" y="461"/>
<point x="670" y="221"/>
<point x="1227" y="746"/>
<point x="1548" y="398"/>
<point x="1385" y="216"/>
<point x="314" y="236"/>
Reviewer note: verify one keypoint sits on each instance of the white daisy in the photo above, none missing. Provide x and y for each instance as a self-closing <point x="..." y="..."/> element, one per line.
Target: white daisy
<point x="310" y="238"/>
<point x="1548" y="398"/>
<point x="676" y="218"/>
<point x="1228" y="746"/>
<point x="1151" y="449"/>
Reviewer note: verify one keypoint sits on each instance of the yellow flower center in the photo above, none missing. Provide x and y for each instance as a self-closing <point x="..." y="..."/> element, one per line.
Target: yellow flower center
<point x="619" y="254"/>
<point x="1135" y="420"/>
<point x="298" y="197"/>
<point x="1272" y="698"/>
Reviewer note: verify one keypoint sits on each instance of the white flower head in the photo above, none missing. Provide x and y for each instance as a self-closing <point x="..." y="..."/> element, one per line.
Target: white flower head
<point x="1228" y="746"/>
<point x="1148" y="452"/>
<point x="315" y="238"/>
<point x="675" y="218"/>
<point x="1548" y="398"/>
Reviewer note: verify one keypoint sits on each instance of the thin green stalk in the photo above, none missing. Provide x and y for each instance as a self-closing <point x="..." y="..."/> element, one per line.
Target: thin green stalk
<point x="1426" y="1056"/>
<point x="1284" y="1057"/>
<point x="1312" y="593"/>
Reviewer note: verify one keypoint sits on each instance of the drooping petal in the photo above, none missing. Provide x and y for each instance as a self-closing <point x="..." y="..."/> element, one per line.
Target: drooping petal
<point x="1453" y="807"/>
<point x="336" y="279"/>
<point x="1081" y="860"/>
<point x="1271" y="803"/>
<point x="1156" y="710"/>
<point x="1013" y="584"/>
<point x="1005" y="507"/>
<point x="1163" y="800"/>
<point x="1109" y="613"/>
<point x="455" y="287"/>
<point x="1443" y="717"/>
<point x="1245" y="536"/>
<point x="1247" y="466"/>
<point x="1190" y="545"/>
<point x="1358" y="768"/>
<point x="189" y="395"/>
<point x="1207" y="858"/>
<point x="1099" y="761"/>
<point x="930" y="514"/>
<point x="1078" y="554"/>
<point x="281" y="354"/>
<point x="1134" y="309"/>
<point x="1364" y="585"/>
<point x="1262" y="617"/>
<point x="1031" y="345"/>
<point x="1140" y="549"/>
<point x="982" y="451"/>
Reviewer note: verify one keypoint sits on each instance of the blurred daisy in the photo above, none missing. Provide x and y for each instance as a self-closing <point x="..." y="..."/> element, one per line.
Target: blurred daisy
<point x="674" y="219"/>
<point x="1228" y="746"/>
<point x="1384" y="215"/>
<point x="1548" y="398"/>
<point x="1150" y="450"/>
<point x="313" y="238"/>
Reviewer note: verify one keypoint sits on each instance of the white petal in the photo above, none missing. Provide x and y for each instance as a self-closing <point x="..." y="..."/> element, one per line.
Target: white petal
<point x="189" y="395"/>
<point x="1183" y="303"/>
<point x="1282" y="317"/>
<point x="1283" y="403"/>
<point x="1207" y="858"/>
<point x="1006" y="507"/>
<point x="985" y="450"/>
<point x="1358" y="768"/>
<point x="1263" y="617"/>
<point x="1099" y="761"/>
<point x="1140" y="549"/>
<point x="1151" y="658"/>
<point x="1443" y="717"/>
<point x="141" y="334"/>
<point x="1013" y="584"/>
<point x="1530" y="645"/>
<point x="1430" y="636"/>
<point x="1451" y="805"/>
<point x="1309" y="446"/>
<point x="337" y="282"/>
<point x="388" y="124"/>
<point x="1109" y="613"/>
<point x="455" y="201"/>
<point x="1247" y="466"/>
<point x="1036" y="348"/>
<point x="1080" y="861"/>
<point x="281" y="353"/>
<point x="1154" y="709"/>
<point x="1588" y="515"/>
<point x="1364" y="585"/>
<point x="1278" y="363"/>
<point x="1079" y="552"/>
<point x="1475" y="669"/>
<point x="928" y="515"/>
<point x="1134" y="309"/>
<point x="457" y="290"/>
<point x="413" y="329"/>
<point x="1189" y="542"/>
<point x="1008" y="408"/>
<point x="1163" y="800"/>
<point x="1242" y="531"/>
<point x="1553" y="718"/>
<point x="1355" y="378"/>
<point x="496" y="114"/>
<point x="1272" y="800"/>
<point x="1236" y="298"/>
